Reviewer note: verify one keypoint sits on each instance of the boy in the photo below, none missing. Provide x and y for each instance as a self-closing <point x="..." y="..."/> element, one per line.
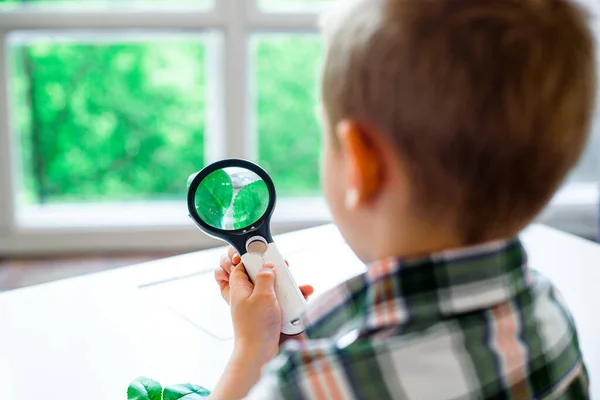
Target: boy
<point x="449" y="124"/>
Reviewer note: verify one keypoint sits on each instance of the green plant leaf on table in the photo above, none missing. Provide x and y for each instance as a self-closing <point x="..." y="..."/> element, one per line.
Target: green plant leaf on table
<point x="250" y="204"/>
<point x="187" y="391"/>
<point x="213" y="198"/>
<point x="144" y="389"/>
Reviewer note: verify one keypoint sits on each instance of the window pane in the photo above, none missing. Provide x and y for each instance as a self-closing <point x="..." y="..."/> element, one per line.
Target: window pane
<point x="293" y="5"/>
<point x="589" y="167"/>
<point x="90" y="4"/>
<point x="107" y="119"/>
<point x="289" y="138"/>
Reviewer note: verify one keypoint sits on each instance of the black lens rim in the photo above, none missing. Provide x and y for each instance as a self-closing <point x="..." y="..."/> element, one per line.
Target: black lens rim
<point x="261" y="226"/>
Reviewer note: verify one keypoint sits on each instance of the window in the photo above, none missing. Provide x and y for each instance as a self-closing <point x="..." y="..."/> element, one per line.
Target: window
<point x="589" y="167"/>
<point x="106" y="119"/>
<point x="292" y="5"/>
<point x="107" y="106"/>
<point x="99" y="4"/>
<point x="285" y="74"/>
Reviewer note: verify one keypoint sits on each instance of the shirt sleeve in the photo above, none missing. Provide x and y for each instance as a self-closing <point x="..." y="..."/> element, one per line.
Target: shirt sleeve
<point x="304" y="370"/>
<point x="275" y="375"/>
<point x="267" y="388"/>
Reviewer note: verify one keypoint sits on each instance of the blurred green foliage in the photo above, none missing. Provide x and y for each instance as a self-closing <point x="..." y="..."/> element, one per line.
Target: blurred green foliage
<point x="118" y="118"/>
<point x="286" y="73"/>
<point x="108" y="121"/>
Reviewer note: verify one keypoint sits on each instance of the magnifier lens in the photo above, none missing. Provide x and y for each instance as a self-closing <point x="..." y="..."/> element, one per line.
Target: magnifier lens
<point x="231" y="198"/>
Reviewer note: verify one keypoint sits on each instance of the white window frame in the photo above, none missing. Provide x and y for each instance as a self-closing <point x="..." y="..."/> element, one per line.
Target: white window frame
<point x="164" y="225"/>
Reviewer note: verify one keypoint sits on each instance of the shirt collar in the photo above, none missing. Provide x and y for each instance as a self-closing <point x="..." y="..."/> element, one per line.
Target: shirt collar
<point x="397" y="292"/>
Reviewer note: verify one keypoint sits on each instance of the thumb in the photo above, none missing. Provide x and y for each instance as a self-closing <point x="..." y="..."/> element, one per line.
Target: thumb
<point x="265" y="280"/>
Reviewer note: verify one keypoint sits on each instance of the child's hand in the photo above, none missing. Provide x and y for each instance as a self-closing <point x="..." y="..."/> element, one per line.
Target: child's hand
<point x="255" y="312"/>
<point x="256" y="317"/>
<point x="222" y="275"/>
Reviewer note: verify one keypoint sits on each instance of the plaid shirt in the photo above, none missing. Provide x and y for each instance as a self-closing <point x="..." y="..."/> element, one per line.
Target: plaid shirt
<point x="474" y="323"/>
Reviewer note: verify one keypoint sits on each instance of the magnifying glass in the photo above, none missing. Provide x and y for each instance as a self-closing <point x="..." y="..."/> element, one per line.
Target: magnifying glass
<point x="233" y="200"/>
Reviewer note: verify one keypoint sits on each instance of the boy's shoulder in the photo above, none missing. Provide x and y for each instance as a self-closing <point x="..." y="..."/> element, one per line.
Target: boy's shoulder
<point x="369" y="339"/>
<point x="525" y="353"/>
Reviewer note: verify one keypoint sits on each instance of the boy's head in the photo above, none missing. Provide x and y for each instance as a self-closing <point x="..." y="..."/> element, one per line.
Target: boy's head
<point x="456" y="118"/>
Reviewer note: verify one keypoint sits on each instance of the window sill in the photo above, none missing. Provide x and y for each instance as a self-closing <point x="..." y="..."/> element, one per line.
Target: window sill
<point x="159" y="215"/>
<point x="157" y="226"/>
<point x="164" y="226"/>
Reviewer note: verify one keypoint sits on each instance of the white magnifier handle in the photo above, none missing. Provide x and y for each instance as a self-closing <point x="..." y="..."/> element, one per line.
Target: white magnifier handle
<point x="288" y="293"/>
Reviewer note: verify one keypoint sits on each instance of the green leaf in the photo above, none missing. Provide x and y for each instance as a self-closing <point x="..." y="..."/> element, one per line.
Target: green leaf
<point x="144" y="389"/>
<point x="213" y="198"/>
<point x="250" y="204"/>
<point x="187" y="391"/>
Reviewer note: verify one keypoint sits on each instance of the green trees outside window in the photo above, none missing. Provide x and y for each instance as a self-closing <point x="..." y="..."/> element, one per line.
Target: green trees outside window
<point x="124" y="119"/>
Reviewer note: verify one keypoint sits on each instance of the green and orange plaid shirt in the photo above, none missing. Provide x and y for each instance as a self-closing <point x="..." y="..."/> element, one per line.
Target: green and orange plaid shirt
<point x="474" y="323"/>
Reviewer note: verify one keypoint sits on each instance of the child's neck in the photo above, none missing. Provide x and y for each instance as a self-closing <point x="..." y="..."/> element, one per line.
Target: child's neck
<point x="411" y="240"/>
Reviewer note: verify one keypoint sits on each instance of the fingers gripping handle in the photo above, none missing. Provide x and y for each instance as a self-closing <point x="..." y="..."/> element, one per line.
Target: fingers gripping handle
<point x="288" y="293"/>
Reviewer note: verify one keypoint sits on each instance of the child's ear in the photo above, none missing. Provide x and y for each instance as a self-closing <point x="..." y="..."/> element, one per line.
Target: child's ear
<point x="365" y="164"/>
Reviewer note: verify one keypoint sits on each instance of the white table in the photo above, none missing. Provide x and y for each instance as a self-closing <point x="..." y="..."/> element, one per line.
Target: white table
<point x="88" y="337"/>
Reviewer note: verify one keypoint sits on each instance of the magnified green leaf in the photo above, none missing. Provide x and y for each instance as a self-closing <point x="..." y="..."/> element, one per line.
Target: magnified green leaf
<point x="187" y="391"/>
<point x="144" y="389"/>
<point x="213" y="198"/>
<point x="250" y="204"/>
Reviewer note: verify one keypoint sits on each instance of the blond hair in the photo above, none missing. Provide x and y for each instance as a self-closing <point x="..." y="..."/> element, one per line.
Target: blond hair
<point x="488" y="103"/>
